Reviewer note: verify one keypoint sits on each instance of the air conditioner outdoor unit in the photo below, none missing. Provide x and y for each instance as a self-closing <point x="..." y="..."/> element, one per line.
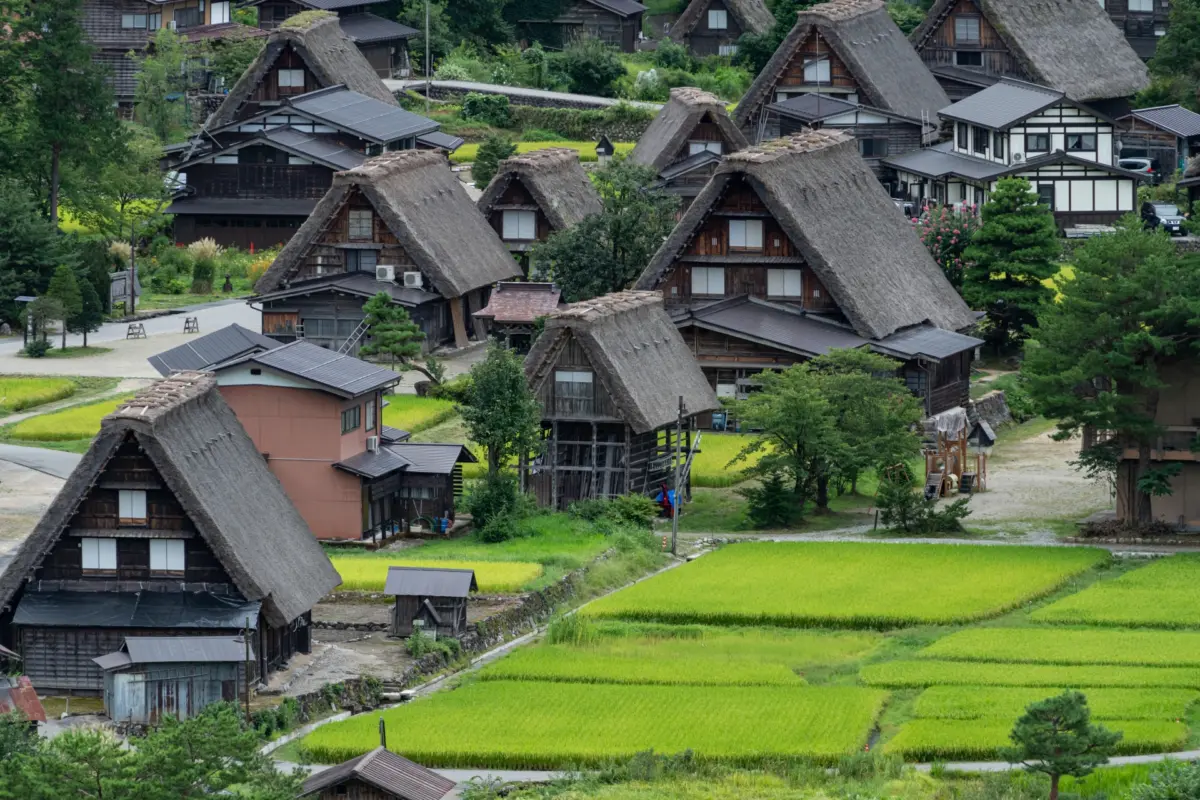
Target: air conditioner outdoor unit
<point x="372" y="444"/>
<point x="1018" y="158"/>
<point x="385" y="272"/>
<point x="412" y="280"/>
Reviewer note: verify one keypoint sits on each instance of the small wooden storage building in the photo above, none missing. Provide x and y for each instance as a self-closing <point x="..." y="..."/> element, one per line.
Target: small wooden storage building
<point x="151" y="677"/>
<point x="436" y="597"/>
<point x="712" y="27"/>
<point x="377" y="775"/>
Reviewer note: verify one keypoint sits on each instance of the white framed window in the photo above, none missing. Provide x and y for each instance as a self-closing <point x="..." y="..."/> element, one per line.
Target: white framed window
<point x="702" y="147"/>
<point x="572" y="376"/>
<point x="745" y="234"/>
<point x="966" y="30"/>
<point x="133" y="21"/>
<point x="360" y="224"/>
<point x="291" y="78"/>
<point x="784" y="283"/>
<point x="131" y="505"/>
<point x="718" y="19"/>
<point x="817" y="71"/>
<point x="369" y="424"/>
<point x="727" y="391"/>
<point x="727" y="49"/>
<point x="99" y="554"/>
<point x="520" y="225"/>
<point x="220" y="12"/>
<point x="167" y="555"/>
<point x="708" y="280"/>
<point x="226" y="159"/>
<point x="297" y="161"/>
<point x="1141" y="5"/>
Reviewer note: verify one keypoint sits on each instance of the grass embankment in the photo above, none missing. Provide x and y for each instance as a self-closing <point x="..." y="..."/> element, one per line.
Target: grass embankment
<point x="21" y="393"/>
<point x="587" y="150"/>
<point x="416" y="414"/>
<point x="69" y="429"/>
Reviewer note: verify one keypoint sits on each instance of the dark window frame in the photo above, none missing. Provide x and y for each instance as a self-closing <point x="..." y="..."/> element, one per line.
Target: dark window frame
<point x="1042" y="199"/>
<point x="965" y="18"/>
<point x="963" y="138"/>
<point x="1082" y="137"/>
<point x="998" y="144"/>
<point x="980" y="139"/>
<point x="878" y="147"/>
<point x="351" y="419"/>
<point x="968" y="58"/>
<point x="1030" y="138"/>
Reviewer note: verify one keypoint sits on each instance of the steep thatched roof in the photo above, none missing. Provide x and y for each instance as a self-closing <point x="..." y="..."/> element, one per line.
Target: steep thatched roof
<point x="670" y="130"/>
<point x="426" y="209"/>
<point x="318" y="39"/>
<point x="890" y="74"/>
<point x="1069" y="45"/>
<point x="636" y="353"/>
<point x="217" y="474"/>
<point x="1193" y="168"/>
<point x="819" y="190"/>
<point x="555" y="179"/>
<point x="752" y="15"/>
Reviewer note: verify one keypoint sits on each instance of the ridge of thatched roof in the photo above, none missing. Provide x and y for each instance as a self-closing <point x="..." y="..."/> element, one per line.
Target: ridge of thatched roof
<point x="209" y="463"/>
<point x="556" y="180"/>
<point x="674" y="123"/>
<point x="1068" y="45"/>
<point x="752" y="15"/>
<point x="636" y="352"/>
<point x="890" y="74"/>
<point x="817" y="187"/>
<point x="318" y="39"/>
<point x="426" y="209"/>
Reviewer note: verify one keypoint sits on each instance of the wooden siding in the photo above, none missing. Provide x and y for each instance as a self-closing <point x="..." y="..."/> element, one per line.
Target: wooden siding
<point x="452" y="610"/>
<point x="145" y="694"/>
<point x="260" y="180"/>
<point x="939" y="47"/>
<point x="1140" y="27"/>
<point x="517" y="197"/>
<point x="268" y="90"/>
<point x="600" y="406"/>
<point x="712" y="347"/>
<point x="354" y="789"/>
<point x="242" y="230"/>
<point x="324" y="257"/>
<point x="580" y="18"/>
<point x="792" y="79"/>
<point x="704" y="41"/>
<point x="102" y="23"/>
<point x="901" y="137"/>
<point x="329" y="317"/>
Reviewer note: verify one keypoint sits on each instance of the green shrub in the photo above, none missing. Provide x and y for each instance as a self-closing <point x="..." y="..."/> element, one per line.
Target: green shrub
<point x="672" y="55"/>
<point x="635" y="510"/>
<point x="496" y="496"/>
<point x="451" y="71"/>
<point x="541" y="135"/>
<point x="500" y="529"/>
<point x="771" y="504"/>
<point x="487" y="160"/>
<point x="456" y="390"/>
<point x="38" y="348"/>
<point x="1020" y="404"/>
<point x="905" y="508"/>
<point x="161" y="280"/>
<point x="573" y="629"/>
<point x="1171" y="780"/>
<point x="421" y="643"/>
<point x="591" y="66"/>
<point x="490" y="108"/>
<point x="620" y="123"/>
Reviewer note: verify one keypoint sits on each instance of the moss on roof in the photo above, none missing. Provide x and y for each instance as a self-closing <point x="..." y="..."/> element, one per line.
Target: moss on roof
<point x="305" y="20"/>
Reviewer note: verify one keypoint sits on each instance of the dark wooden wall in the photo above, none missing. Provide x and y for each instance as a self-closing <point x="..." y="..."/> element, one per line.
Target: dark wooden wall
<point x="939" y="47"/>
<point x="572" y="357"/>
<point x="812" y="47"/>
<point x="901" y="137"/>
<point x="452" y="610"/>
<point x="705" y="41"/>
<point x="263" y="180"/>
<point x="354" y="789"/>
<point x="241" y="230"/>
<point x="517" y="197"/>
<point x="268" y="88"/>
<point x="581" y="18"/>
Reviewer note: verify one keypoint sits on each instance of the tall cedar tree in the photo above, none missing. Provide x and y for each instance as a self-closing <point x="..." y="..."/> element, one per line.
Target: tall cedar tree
<point x="494" y="149"/>
<point x="501" y="414"/>
<point x="64" y="288"/>
<point x="1176" y="62"/>
<point x="391" y="332"/>
<point x="441" y="39"/>
<point x="161" y="83"/>
<point x="70" y="121"/>
<point x="1010" y="255"/>
<point x="1056" y="736"/>
<point x="30" y="248"/>
<point x="91" y="312"/>
<point x="605" y="252"/>
<point x="1131" y="311"/>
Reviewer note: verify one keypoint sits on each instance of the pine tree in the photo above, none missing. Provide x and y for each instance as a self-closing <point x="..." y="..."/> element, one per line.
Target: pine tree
<point x="65" y="289"/>
<point x="1010" y="256"/>
<point x="494" y="149"/>
<point x="91" y="313"/>
<point x="391" y="332"/>
<point x="1056" y="736"/>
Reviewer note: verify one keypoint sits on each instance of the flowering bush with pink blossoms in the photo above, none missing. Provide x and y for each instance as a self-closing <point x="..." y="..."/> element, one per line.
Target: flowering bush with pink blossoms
<point x="946" y="232"/>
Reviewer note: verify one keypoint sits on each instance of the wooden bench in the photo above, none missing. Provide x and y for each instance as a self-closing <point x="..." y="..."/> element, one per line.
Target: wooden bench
<point x="136" y="330"/>
<point x="191" y="325"/>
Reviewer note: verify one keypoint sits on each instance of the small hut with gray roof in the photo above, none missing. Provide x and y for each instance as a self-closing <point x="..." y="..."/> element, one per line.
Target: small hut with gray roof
<point x="770" y="267"/>
<point x="401" y="224"/>
<point x="610" y="375"/>
<point x="535" y="194"/>
<point x="170" y="526"/>
<point x="848" y="49"/>
<point x="712" y="27"/>
<point x="686" y="140"/>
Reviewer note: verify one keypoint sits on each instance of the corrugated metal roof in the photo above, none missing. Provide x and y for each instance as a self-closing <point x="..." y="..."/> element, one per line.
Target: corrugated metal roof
<point x="937" y="162"/>
<point x="359" y="283"/>
<point x="443" y="140"/>
<point x="625" y="8"/>
<point x="115" y="660"/>
<point x="926" y="340"/>
<point x="135" y="610"/>
<point x="1176" y="119"/>
<point x="337" y="372"/>
<point x="367" y="28"/>
<point x="776" y="325"/>
<point x="1002" y="104"/>
<point x="373" y="464"/>
<point x="810" y="107"/>
<point x="430" y="458"/>
<point x="17" y="694"/>
<point x="181" y="649"/>
<point x="688" y="164"/>
<point x="318" y="148"/>
<point x="387" y="772"/>
<point x="362" y="115"/>
<point x="210" y="349"/>
<point x="430" y="582"/>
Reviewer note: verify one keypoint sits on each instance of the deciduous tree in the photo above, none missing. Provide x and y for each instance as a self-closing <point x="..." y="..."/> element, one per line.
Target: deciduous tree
<point x="1176" y="63"/>
<point x="1010" y="256"/>
<point x="1056" y="736"/>
<point x="160" y="96"/>
<point x="592" y="66"/>
<point x="501" y="414"/>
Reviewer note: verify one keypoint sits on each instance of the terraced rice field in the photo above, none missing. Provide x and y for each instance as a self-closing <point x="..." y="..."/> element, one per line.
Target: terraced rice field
<point x="415" y="414"/>
<point x="902" y="674"/>
<point x="707" y="656"/>
<point x="1058" y="646"/>
<point x="1163" y="594"/>
<point x="533" y="725"/>
<point x="18" y="394"/>
<point x="367" y="572"/>
<point x="941" y="740"/>
<point x="1007" y="703"/>
<point x="70" y="424"/>
<point x="849" y="585"/>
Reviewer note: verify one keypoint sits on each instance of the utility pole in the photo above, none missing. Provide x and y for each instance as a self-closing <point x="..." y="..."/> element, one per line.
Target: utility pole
<point x="675" y="502"/>
<point x="427" y="63"/>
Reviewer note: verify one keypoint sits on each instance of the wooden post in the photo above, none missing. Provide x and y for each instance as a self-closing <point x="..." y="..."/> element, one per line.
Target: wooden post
<point x="246" y="669"/>
<point x="460" y="324"/>
<point x="594" y="473"/>
<point x="554" y="465"/>
<point x="675" y="505"/>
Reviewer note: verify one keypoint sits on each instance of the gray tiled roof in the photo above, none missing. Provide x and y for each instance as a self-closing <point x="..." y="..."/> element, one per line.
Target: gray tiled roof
<point x="318" y="148"/>
<point x="385" y="771"/>
<point x="776" y="325"/>
<point x="212" y="348"/>
<point x="366" y="28"/>
<point x="338" y="373"/>
<point x="431" y="458"/>
<point x="429" y="582"/>
<point x="359" y="283"/>
<point x="1002" y="104"/>
<point x="926" y="340"/>
<point x="443" y="140"/>
<point x="373" y="464"/>
<point x="624" y="8"/>
<point x="362" y="115"/>
<point x="812" y="107"/>
<point x="164" y="649"/>
<point x="1176" y="119"/>
<point x="938" y="161"/>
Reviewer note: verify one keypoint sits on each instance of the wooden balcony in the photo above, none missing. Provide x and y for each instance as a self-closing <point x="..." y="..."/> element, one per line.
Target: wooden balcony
<point x="1175" y="444"/>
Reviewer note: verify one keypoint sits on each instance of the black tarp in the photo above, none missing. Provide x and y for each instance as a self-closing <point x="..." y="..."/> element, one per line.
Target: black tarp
<point x="135" y="610"/>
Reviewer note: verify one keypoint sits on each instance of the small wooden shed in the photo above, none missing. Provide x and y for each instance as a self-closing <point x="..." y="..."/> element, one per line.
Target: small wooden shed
<point x="377" y="775"/>
<point x="153" y="676"/>
<point x="436" y="597"/>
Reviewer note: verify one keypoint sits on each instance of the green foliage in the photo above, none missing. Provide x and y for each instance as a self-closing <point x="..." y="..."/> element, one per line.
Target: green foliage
<point x="1010" y="256"/>
<point x="907" y="16"/>
<point x="591" y="66"/>
<point x="203" y="271"/>
<point x="605" y="252"/>
<point x="501" y="413"/>
<point x="17" y="737"/>
<point x="30" y="248"/>
<point x="129" y="191"/>
<point x="1056" y="736"/>
<point x="572" y="629"/>
<point x="229" y="56"/>
<point x="672" y="55"/>
<point x="494" y="149"/>
<point x="946" y="233"/>
<point x="488" y="108"/>
<point x="421" y="644"/>
<point x="635" y="510"/>
<point x="902" y="507"/>
<point x="771" y="503"/>
<point x="754" y="51"/>
<point x="441" y="40"/>
<point x="390" y="331"/>
<point x="38" y="348"/>
<point x="1170" y="780"/>
<point x="495" y="503"/>
<point x="1176" y="63"/>
<point x="91" y="312"/>
<point x="622" y="122"/>
<point x="1131" y="310"/>
<point x="159" y="99"/>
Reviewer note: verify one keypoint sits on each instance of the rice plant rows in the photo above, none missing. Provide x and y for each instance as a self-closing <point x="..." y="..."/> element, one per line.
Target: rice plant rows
<point x="69" y="424"/>
<point x="920" y="672"/>
<point x="942" y="740"/>
<point x="1006" y="703"/>
<point x="18" y="394"/>
<point x="1070" y="646"/>
<point x="1160" y="595"/>
<point x="367" y="572"/>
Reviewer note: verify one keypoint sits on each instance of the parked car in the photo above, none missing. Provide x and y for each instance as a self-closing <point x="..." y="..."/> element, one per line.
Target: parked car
<point x="1169" y="218"/>
<point x="1142" y="166"/>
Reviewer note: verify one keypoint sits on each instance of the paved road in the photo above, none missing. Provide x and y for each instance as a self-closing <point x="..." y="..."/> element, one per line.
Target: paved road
<point x="52" y="462"/>
<point x="566" y="98"/>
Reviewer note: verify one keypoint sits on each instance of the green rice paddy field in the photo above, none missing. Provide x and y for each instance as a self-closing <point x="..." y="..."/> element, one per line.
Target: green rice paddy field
<point x="816" y="650"/>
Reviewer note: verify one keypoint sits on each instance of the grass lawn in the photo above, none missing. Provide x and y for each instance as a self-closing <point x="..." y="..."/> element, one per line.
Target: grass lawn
<point x="153" y="301"/>
<point x="77" y="352"/>
<point x="859" y="586"/>
<point x="587" y="150"/>
<point x="77" y="424"/>
<point x="415" y="414"/>
<point x="367" y="572"/>
<point x="711" y="467"/>
<point x="1160" y="595"/>
<point x="21" y="393"/>
<point x="534" y="725"/>
<point x="696" y="655"/>
<point x="724" y="511"/>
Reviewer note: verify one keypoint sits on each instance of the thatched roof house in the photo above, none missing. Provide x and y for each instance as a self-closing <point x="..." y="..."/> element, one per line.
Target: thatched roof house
<point x="847" y="48"/>
<point x="552" y="179"/>
<point x="311" y="41"/>
<point x="1068" y="45"/>
<point x="752" y="16"/>
<point x="817" y="188"/>
<point x="666" y="139"/>
<point x="707" y="26"/>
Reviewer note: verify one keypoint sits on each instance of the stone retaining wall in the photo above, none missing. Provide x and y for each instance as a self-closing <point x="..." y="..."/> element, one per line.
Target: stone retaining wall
<point x="992" y="408"/>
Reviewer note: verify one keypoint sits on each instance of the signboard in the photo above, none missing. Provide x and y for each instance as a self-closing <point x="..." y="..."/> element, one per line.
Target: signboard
<point x="118" y="287"/>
